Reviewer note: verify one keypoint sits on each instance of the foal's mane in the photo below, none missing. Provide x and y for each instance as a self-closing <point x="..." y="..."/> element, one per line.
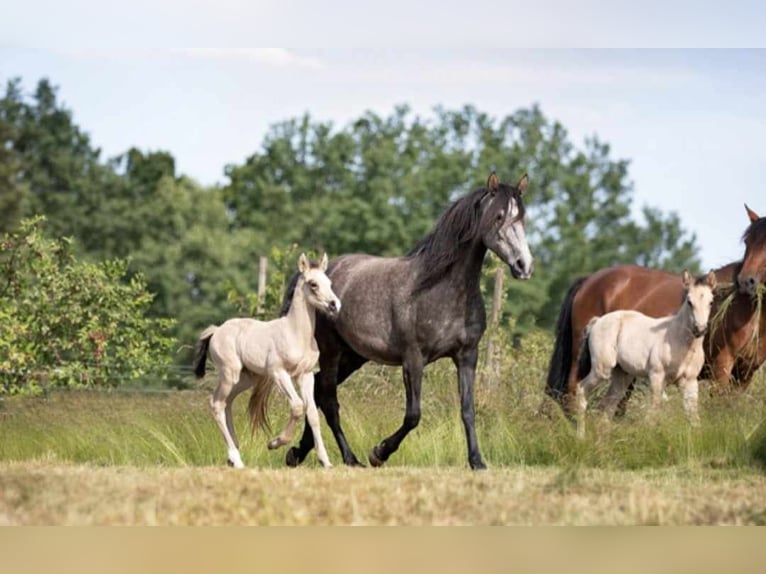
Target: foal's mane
<point x="460" y="224"/>
<point x="291" y="286"/>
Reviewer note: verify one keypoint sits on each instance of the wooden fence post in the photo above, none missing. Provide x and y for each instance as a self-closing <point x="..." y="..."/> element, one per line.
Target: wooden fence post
<point x="494" y="319"/>
<point x="263" y="264"/>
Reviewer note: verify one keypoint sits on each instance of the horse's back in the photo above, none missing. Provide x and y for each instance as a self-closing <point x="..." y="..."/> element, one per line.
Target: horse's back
<point x="652" y="292"/>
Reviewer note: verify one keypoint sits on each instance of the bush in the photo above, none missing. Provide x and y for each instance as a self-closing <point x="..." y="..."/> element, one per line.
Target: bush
<point x="70" y="323"/>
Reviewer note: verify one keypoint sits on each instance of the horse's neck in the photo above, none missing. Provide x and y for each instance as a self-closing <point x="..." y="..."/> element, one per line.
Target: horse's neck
<point x="680" y="329"/>
<point x="301" y="317"/>
<point x="727" y="273"/>
<point x="465" y="274"/>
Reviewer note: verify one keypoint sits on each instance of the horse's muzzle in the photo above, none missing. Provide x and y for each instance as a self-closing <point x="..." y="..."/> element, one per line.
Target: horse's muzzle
<point x="699" y="332"/>
<point x="747" y="285"/>
<point x="521" y="271"/>
<point x="333" y="308"/>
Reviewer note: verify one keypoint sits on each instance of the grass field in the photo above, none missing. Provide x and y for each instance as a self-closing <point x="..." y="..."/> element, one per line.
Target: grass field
<point x="157" y="458"/>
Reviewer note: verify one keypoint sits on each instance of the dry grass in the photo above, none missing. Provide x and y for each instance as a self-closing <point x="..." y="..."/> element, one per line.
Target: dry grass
<point x="117" y="458"/>
<point x="68" y="494"/>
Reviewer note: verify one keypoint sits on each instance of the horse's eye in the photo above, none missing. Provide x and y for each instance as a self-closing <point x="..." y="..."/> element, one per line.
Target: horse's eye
<point x="313" y="284"/>
<point x="500" y="216"/>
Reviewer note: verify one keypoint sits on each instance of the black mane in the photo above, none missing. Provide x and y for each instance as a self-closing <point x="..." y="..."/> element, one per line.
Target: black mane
<point x="756" y="233"/>
<point x="460" y="224"/>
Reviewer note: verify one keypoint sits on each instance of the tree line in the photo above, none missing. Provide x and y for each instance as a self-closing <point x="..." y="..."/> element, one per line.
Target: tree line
<point x="375" y="185"/>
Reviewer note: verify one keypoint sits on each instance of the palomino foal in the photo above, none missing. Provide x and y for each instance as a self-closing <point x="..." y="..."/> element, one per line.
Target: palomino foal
<point x="255" y="354"/>
<point x="622" y="345"/>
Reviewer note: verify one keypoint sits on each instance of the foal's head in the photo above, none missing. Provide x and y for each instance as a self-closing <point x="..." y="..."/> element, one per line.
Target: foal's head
<point x="753" y="269"/>
<point x="502" y="220"/>
<point x="317" y="287"/>
<point x="698" y="301"/>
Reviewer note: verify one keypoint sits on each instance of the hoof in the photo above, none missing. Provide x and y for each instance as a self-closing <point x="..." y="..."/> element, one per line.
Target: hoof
<point x="292" y="458"/>
<point x="374" y="457"/>
<point x="478" y="465"/>
<point x="274" y="444"/>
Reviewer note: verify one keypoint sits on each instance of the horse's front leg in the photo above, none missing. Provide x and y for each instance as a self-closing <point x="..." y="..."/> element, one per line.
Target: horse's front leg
<point x="285" y="384"/>
<point x="465" y="362"/>
<point x="657" y="389"/>
<point x="690" y="391"/>
<point x="412" y="373"/>
<point x="312" y="417"/>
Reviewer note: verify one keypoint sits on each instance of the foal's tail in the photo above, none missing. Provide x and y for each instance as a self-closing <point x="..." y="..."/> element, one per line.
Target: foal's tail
<point x="201" y="356"/>
<point x="584" y="359"/>
<point x="258" y="407"/>
<point x="557" y="384"/>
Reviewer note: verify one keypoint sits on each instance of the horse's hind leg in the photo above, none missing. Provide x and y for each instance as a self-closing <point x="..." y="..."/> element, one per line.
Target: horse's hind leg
<point x="285" y="384"/>
<point x="620" y="384"/>
<point x="227" y="379"/>
<point x="412" y="371"/>
<point x="584" y="388"/>
<point x="336" y="366"/>
<point x="312" y="417"/>
<point x="246" y="381"/>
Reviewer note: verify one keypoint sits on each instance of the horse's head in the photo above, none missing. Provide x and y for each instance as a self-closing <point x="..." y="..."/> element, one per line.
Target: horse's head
<point x="317" y="287"/>
<point x="503" y="226"/>
<point x="753" y="268"/>
<point x="698" y="301"/>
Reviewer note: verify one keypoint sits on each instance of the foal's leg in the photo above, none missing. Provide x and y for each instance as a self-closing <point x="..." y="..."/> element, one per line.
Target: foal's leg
<point x="246" y="380"/>
<point x="620" y="384"/>
<point x="689" y="392"/>
<point x="657" y="388"/>
<point x="285" y="384"/>
<point x="312" y="417"/>
<point x="336" y="366"/>
<point x="584" y="388"/>
<point x="227" y="379"/>
<point x="412" y="370"/>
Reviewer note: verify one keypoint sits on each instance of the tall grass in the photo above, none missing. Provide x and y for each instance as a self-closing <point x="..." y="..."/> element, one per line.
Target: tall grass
<point x="176" y="429"/>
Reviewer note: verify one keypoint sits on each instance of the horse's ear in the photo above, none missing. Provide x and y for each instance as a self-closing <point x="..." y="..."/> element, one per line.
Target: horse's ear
<point x="711" y="280"/>
<point x="687" y="278"/>
<point x="323" y="262"/>
<point x="303" y="263"/>
<point x="492" y="183"/>
<point x="523" y="183"/>
<point x="751" y="214"/>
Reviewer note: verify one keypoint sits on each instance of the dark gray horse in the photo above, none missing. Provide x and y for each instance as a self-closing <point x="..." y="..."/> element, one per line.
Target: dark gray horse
<point x="415" y="309"/>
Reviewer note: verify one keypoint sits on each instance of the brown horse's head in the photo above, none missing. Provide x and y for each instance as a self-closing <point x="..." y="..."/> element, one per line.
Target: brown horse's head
<point x="753" y="270"/>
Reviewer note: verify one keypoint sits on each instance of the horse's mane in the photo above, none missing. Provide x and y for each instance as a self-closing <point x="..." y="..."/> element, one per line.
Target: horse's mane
<point x="756" y="232"/>
<point x="459" y="225"/>
<point x="291" y="286"/>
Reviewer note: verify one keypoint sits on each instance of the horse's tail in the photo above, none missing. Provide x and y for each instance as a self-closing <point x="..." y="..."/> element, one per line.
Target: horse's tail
<point x="584" y="359"/>
<point x="258" y="407"/>
<point x="202" y="345"/>
<point x="289" y="295"/>
<point x="560" y="365"/>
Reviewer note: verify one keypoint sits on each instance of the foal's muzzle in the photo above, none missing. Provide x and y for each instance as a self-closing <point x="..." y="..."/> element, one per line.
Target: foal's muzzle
<point x="333" y="308"/>
<point x="699" y="331"/>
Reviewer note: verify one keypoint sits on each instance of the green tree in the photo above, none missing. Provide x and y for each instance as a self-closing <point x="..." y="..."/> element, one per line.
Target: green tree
<point x="70" y="323"/>
<point x="379" y="184"/>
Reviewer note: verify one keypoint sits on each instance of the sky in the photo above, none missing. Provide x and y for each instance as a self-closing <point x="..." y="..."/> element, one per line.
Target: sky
<point x="691" y="122"/>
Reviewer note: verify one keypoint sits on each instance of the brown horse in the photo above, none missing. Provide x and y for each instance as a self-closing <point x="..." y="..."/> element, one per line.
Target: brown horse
<point x="731" y="359"/>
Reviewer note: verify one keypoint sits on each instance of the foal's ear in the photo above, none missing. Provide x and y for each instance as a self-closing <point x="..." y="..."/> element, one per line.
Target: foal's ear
<point x="303" y="263"/>
<point x="751" y="214"/>
<point x="523" y="183"/>
<point x="687" y="279"/>
<point x="323" y="262"/>
<point x="492" y="183"/>
<point x="711" y="280"/>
